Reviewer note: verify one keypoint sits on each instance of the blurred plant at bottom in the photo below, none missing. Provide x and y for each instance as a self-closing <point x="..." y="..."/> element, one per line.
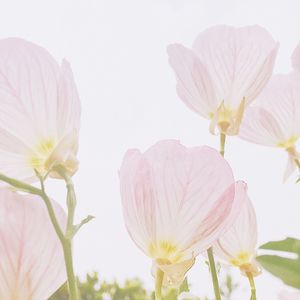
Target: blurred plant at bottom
<point x="92" y="288"/>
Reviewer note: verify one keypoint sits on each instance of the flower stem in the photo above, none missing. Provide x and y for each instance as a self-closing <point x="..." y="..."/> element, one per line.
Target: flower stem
<point x="213" y="272"/>
<point x="252" y="285"/>
<point x="158" y="283"/>
<point x="72" y="283"/>
<point x="210" y="254"/>
<point x="222" y="143"/>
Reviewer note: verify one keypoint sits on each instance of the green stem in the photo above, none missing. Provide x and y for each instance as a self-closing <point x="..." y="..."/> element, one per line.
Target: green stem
<point x="72" y="283"/>
<point x="158" y="283"/>
<point x="252" y="285"/>
<point x="71" y="198"/>
<point x="210" y="254"/>
<point x="213" y="272"/>
<point x="222" y="143"/>
<point x="70" y="231"/>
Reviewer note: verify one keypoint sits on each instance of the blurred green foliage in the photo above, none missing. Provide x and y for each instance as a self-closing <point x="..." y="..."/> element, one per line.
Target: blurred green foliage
<point x="92" y="288"/>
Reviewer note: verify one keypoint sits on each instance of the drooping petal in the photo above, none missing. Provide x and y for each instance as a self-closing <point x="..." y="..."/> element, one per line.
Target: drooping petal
<point x="177" y="201"/>
<point x="173" y="273"/>
<point x="194" y="85"/>
<point x="239" y="61"/>
<point x="32" y="262"/>
<point x="39" y="105"/>
<point x="296" y="58"/>
<point x="238" y="245"/>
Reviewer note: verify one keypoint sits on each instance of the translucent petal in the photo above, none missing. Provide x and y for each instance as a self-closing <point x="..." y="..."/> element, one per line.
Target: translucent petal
<point x="32" y="262"/>
<point x="176" y="200"/>
<point x="239" y="61"/>
<point x="194" y="85"/>
<point x="39" y="102"/>
<point x="276" y="119"/>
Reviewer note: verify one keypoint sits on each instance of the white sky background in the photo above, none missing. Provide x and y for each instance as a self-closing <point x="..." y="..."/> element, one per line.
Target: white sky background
<point x="117" y="50"/>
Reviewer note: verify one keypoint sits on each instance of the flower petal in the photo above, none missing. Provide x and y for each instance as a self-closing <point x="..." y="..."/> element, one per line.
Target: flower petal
<point x="277" y="121"/>
<point x="296" y="58"/>
<point x="260" y="127"/>
<point x="32" y="261"/>
<point x="241" y="236"/>
<point x="239" y="61"/>
<point x="174" y="274"/>
<point x="194" y="86"/>
<point x="285" y="295"/>
<point x="182" y="197"/>
<point x="69" y="108"/>
<point x="39" y="105"/>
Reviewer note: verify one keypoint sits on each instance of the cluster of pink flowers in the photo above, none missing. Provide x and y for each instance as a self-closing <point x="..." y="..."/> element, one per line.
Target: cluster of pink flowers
<point x="177" y="201"/>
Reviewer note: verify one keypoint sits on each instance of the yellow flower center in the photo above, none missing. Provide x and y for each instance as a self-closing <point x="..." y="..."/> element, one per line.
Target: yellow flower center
<point x="227" y="119"/>
<point x="41" y="153"/>
<point x="242" y="258"/>
<point x="165" y="252"/>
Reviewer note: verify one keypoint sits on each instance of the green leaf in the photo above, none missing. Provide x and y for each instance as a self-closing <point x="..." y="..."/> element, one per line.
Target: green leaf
<point x="288" y="270"/>
<point x="288" y="245"/>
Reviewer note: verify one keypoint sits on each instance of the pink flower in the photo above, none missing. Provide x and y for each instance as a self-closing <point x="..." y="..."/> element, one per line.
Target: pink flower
<point x="32" y="261"/>
<point x="177" y="202"/>
<point x="296" y="58"/>
<point x="224" y="72"/>
<point x="238" y="245"/>
<point x="39" y="113"/>
<point x="284" y="295"/>
<point x="275" y="119"/>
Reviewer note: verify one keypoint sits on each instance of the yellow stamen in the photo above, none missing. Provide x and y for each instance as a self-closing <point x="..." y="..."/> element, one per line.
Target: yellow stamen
<point x="41" y="152"/>
<point x="165" y="251"/>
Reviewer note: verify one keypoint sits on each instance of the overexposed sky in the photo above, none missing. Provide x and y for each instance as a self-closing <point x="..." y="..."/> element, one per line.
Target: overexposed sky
<point x="117" y="49"/>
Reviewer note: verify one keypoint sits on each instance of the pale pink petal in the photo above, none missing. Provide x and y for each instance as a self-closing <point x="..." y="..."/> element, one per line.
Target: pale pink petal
<point x="39" y="102"/>
<point x="69" y="108"/>
<point x="220" y="217"/>
<point x="239" y="61"/>
<point x="260" y="127"/>
<point x="177" y="201"/>
<point x="32" y="262"/>
<point x="296" y="58"/>
<point x="194" y="85"/>
<point x="276" y="120"/>
<point x="285" y="295"/>
<point x="241" y="236"/>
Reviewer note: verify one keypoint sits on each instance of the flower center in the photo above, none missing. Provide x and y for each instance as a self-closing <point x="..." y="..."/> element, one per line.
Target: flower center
<point x="242" y="258"/>
<point x="165" y="252"/>
<point x="227" y="120"/>
<point x="41" y="153"/>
